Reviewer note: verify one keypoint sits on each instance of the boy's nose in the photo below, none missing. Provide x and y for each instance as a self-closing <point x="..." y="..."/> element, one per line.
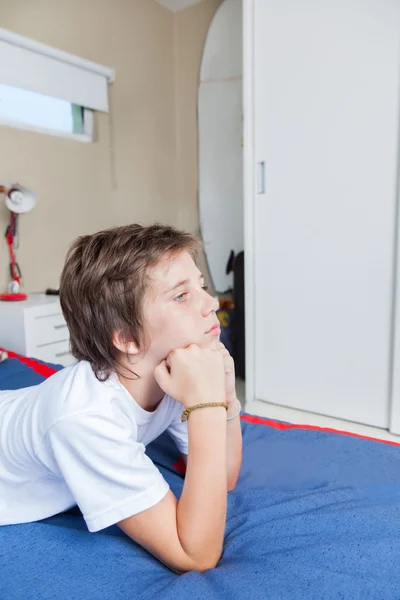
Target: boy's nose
<point x="211" y="304"/>
<point x="215" y="304"/>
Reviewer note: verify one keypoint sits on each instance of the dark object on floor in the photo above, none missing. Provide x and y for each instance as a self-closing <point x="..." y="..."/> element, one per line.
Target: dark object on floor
<point x="236" y="264"/>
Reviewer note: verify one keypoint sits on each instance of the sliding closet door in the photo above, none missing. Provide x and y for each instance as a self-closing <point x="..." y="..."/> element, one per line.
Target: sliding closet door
<point x="326" y="90"/>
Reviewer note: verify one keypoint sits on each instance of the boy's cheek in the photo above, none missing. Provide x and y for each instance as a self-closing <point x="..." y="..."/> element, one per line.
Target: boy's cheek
<point x="184" y="334"/>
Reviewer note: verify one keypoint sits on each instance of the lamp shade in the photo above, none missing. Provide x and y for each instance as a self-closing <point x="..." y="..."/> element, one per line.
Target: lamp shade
<point x="19" y="199"/>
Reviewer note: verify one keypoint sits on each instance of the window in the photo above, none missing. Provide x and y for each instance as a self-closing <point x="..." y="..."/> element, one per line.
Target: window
<point x="30" y="110"/>
<point x="49" y="90"/>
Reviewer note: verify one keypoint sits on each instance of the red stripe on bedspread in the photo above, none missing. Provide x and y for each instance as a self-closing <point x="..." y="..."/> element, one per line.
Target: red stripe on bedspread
<point x="283" y="426"/>
<point x="39" y="368"/>
<point x="181" y="467"/>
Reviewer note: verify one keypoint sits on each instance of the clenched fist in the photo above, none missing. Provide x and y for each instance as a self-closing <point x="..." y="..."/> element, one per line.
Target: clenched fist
<point x="193" y="375"/>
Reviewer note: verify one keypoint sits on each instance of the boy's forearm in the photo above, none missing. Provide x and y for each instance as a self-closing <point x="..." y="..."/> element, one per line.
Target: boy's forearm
<point x="233" y="446"/>
<point x="201" y="511"/>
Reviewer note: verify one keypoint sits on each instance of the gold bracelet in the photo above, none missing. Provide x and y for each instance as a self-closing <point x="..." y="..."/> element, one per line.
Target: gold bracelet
<point x="188" y="410"/>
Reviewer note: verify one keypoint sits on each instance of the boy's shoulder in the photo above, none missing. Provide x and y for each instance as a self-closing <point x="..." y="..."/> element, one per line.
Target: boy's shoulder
<point x="73" y="390"/>
<point x="78" y="374"/>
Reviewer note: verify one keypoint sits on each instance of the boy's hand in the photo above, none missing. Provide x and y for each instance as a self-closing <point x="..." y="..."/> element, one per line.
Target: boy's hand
<point x="193" y="375"/>
<point x="230" y="379"/>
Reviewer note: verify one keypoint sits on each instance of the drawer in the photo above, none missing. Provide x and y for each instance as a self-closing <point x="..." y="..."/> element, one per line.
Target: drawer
<point x="57" y="352"/>
<point x="41" y="329"/>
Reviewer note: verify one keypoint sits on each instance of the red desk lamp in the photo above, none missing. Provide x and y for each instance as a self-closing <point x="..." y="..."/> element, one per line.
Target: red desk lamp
<point x="18" y="200"/>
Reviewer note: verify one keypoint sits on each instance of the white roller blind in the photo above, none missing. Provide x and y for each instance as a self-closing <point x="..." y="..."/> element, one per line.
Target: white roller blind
<point x="40" y="68"/>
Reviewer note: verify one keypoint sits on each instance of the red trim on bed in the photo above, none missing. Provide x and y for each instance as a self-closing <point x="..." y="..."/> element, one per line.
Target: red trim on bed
<point x="284" y="426"/>
<point x="181" y="468"/>
<point x="39" y="367"/>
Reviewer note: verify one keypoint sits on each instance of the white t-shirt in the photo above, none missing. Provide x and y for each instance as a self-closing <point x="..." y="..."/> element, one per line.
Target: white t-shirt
<point x="76" y="440"/>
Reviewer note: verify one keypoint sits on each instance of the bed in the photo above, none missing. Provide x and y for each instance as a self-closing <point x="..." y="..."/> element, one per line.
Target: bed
<point x="315" y="514"/>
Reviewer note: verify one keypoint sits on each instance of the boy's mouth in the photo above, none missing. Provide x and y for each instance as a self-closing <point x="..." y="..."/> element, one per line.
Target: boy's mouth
<point x="215" y="329"/>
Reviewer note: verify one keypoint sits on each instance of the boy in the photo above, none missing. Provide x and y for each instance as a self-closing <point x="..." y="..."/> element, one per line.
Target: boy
<point x="146" y="336"/>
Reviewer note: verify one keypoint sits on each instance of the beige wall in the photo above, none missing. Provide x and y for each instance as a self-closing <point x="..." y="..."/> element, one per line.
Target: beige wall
<point x="73" y="180"/>
<point x="191" y="26"/>
<point x="153" y="133"/>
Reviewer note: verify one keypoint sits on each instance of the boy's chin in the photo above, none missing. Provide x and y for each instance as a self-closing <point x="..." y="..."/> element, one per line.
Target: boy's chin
<point x="214" y="343"/>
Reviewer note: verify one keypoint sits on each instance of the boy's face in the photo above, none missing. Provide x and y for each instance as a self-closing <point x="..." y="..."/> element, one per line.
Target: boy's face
<point x="178" y="311"/>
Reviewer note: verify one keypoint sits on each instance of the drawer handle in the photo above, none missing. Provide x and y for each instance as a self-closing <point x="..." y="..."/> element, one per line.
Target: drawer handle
<point x="62" y="326"/>
<point x="59" y="354"/>
<point x="51" y="343"/>
<point x="56" y="314"/>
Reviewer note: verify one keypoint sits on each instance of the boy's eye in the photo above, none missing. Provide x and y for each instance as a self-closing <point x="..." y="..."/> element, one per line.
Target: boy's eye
<point x="181" y="297"/>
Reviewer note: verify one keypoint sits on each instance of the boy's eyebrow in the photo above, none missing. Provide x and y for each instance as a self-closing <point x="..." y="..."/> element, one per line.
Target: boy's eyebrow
<point x="181" y="283"/>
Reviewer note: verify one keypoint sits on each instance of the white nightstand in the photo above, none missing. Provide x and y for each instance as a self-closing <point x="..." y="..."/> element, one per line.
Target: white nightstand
<point x="36" y="327"/>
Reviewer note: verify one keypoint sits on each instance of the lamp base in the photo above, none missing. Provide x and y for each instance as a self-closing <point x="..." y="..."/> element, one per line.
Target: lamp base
<point x="13" y="297"/>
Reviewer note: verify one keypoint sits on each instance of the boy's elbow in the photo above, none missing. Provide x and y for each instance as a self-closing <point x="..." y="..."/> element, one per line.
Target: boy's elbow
<point x="188" y="565"/>
<point x="206" y="564"/>
<point x="207" y="560"/>
<point x="199" y="566"/>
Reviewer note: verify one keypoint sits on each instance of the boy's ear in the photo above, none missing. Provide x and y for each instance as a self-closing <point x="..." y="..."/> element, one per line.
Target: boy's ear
<point x="122" y="345"/>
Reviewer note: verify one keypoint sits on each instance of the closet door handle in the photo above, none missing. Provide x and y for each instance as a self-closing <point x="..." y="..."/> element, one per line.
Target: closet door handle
<point x="261" y="177"/>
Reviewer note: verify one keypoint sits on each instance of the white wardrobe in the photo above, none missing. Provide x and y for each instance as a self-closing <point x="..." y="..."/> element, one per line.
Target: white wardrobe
<point x="321" y="170"/>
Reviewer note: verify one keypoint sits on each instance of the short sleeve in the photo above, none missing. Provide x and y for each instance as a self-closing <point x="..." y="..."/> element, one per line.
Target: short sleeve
<point x="179" y="431"/>
<point x="106" y="469"/>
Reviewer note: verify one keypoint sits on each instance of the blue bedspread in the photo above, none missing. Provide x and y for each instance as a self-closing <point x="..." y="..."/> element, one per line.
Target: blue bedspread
<point x="314" y="515"/>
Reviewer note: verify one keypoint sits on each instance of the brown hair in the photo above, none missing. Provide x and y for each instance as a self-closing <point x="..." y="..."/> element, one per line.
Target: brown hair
<point x="103" y="285"/>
